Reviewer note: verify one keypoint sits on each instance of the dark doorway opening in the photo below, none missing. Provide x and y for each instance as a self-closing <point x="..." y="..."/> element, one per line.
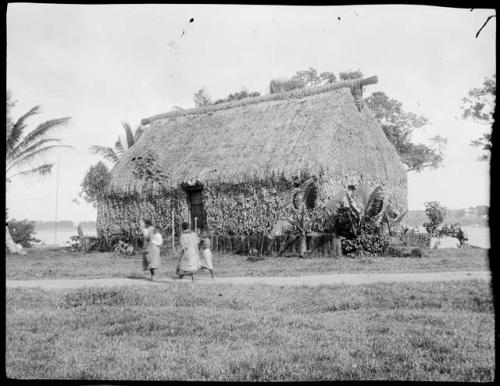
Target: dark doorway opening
<point x="196" y="210"/>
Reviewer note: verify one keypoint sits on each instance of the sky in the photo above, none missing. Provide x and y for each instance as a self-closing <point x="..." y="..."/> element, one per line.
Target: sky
<point x="104" y="64"/>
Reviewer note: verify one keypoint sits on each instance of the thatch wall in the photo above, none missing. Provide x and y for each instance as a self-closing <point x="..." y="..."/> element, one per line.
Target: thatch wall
<point x="251" y="207"/>
<point x="246" y="153"/>
<point x="118" y="215"/>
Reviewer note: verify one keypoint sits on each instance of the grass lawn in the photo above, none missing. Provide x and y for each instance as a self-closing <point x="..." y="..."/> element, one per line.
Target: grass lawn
<point x="419" y="331"/>
<point x="52" y="264"/>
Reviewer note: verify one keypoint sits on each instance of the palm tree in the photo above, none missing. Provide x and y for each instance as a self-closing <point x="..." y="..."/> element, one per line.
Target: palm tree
<point x="201" y="98"/>
<point x="113" y="154"/>
<point x="23" y="150"/>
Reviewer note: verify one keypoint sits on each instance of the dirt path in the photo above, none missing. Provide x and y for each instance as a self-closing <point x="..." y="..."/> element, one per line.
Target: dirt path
<point x="314" y="280"/>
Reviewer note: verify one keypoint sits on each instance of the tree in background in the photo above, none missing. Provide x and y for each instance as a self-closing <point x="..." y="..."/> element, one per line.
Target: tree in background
<point x="22" y="232"/>
<point x="282" y="85"/>
<point x="113" y="154"/>
<point x="436" y="213"/>
<point x="398" y="126"/>
<point x="238" y="95"/>
<point x="479" y="106"/>
<point x="482" y="210"/>
<point x="301" y="79"/>
<point x="94" y="183"/>
<point x="23" y="152"/>
<point x="201" y="98"/>
<point x="349" y="75"/>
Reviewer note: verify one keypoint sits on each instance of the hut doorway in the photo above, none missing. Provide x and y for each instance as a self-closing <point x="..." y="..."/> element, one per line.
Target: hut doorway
<point x="196" y="210"/>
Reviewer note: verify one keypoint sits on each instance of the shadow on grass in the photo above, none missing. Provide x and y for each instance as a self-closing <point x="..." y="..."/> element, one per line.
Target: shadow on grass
<point x="168" y="279"/>
<point x="137" y="277"/>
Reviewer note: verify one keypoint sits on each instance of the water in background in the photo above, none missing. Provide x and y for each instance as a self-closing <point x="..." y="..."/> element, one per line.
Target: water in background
<point x="49" y="236"/>
<point x="478" y="236"/>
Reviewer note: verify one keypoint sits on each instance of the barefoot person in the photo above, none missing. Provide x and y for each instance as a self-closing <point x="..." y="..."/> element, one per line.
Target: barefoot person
<point x="152" y="242"/>
<point x="189" y="259"/>
<point x="206" y="253"/>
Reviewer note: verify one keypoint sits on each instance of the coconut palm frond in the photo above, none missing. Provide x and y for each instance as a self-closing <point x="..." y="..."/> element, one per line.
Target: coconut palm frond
<point x="138" y="132"/>
<point x="42" y="170"/>
<point x="17" y="129"/>
<point x="106" y="152"/>
<point x="23" y="149"/>
<point x="129" y="134"/>
<point x="12" y="158"/>
<point x="119" y="147"/>
<point x="20" y="161"/>
<point x="40" y="132"/>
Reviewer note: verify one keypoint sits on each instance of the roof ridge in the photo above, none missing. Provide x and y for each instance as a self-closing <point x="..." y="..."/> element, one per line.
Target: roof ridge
<point x="297" y="93"/>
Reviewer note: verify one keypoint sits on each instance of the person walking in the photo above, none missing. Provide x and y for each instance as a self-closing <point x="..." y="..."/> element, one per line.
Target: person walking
<point x="189" y="258"/>
<point x="152" y="242"/>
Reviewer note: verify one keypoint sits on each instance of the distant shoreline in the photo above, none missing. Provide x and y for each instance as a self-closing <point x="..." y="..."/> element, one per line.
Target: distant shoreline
<point x="63" y="226"/>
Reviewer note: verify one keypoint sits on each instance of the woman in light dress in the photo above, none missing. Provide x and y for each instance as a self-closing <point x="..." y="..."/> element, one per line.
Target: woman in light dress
<point x="152" y="243"/>
<point x="189" y="259"/>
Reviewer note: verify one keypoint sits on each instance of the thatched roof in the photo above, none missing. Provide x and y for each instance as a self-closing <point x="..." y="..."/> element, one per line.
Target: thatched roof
<point x="315" y="129"/>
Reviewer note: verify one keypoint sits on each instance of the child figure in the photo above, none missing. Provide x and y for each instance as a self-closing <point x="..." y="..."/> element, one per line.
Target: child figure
<point x="206" y="253"/>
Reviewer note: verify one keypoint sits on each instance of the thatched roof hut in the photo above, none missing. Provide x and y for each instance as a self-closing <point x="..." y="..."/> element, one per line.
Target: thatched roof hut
<point x="324" y="131"/>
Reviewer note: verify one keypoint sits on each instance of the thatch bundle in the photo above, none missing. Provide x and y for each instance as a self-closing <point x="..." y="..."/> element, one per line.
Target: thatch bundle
<point x="245" y="153"/>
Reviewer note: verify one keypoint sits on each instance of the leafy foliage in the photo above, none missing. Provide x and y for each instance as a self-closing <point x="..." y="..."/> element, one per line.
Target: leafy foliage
<point x="369" y="241"/>
<point x="282" y="85"/>
<point x="437" y="214"/>
<point x="301" y="79"/>
<point x="95" y="182"/>
<point x="113" y="154"/>
<point x="24" y="149"/>
<point x="398" y="126"/>
<point x="201" y="98"/>
<point x="22" y="232"/>
<point x="479" y="103"/>
<point x="348" y="75"/>
<point x="238" y="95"/>
<point x="479" y="106"/>
<point x="360" y="222"/>
<point x="453" y="230"/>
<point x="146" y="167"/>
<point x="367" y="209"/>
<point x="10" y="104"/>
